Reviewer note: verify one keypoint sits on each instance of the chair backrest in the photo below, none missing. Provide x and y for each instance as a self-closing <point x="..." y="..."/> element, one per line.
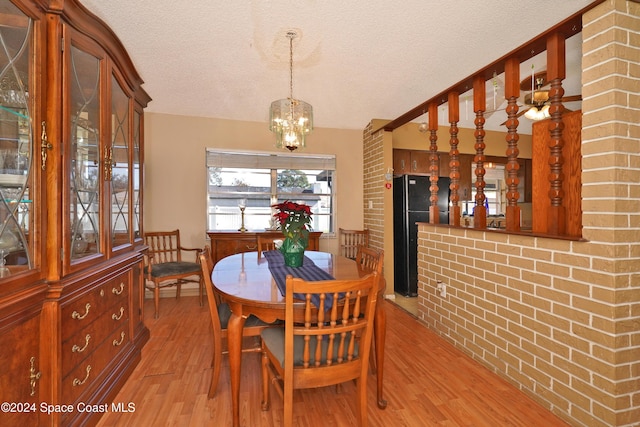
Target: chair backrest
<point x="331" y="346"/>
<point x="206" y="264"/>
<point x="266" y="243"/>
<point x="164" y="246"/>
<point x="369" y="259"/>
<point x="350" y="239"/>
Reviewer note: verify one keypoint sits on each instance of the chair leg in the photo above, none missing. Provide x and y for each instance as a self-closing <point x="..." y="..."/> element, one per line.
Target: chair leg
<point x="362" y="400"/>
<point x="216" y="363"/>
<point x="215" y="374"/>
<point x="372" y="357"/>
<point x="178" y="287"/>
<point x="156" y="301"/>
<point x="266" y="398"/>
<point x="288" y="403"/>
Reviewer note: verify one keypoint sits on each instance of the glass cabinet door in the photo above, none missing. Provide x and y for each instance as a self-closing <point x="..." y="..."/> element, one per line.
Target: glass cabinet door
<point x="85" y="194"/>
<point x="137" y="176"/>
<point x="16" y="142"/>
<point x="119" y="158"/>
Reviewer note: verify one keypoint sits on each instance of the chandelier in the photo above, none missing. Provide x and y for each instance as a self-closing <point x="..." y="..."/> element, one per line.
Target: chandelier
<point x="290" y="119"/>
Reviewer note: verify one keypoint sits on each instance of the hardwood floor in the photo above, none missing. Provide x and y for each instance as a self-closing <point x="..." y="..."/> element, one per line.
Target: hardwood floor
<point x="427" y="383"/>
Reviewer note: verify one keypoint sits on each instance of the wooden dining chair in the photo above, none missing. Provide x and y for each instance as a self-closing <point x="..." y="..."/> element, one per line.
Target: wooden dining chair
<point x="350" y="239"/>
<point x="164" y="266"/>
<point x="369" y="260"/>
<point x="266" y="243"/>
<point x="319" y="348"/>
<point x="220" y="314"/>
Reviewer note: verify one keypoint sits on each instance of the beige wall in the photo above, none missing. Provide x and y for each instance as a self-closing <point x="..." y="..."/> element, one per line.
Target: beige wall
<point x="175" y="175"/>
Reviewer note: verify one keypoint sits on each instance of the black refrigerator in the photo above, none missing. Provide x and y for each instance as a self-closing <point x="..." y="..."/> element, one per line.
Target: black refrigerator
<point x="411" y="205"/>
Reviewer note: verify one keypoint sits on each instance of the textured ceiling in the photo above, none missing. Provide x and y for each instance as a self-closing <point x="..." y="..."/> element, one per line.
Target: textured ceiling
<point x="353" y="61"/>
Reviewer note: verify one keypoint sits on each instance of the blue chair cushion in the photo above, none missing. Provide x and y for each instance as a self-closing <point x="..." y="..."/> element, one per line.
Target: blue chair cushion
<point x="172" y="268"/>
<point x="224" y="313"/>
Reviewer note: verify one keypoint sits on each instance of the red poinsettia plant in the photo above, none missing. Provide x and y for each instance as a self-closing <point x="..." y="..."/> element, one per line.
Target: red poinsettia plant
<point x="294" y="219"/>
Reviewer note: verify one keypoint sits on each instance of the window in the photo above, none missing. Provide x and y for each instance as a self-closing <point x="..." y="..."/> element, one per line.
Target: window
<point x="259" y="180"/>
<point x="494" y="190"/>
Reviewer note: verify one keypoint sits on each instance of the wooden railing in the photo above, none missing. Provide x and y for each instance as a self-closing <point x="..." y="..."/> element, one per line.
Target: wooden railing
<point x="553" y="42"/>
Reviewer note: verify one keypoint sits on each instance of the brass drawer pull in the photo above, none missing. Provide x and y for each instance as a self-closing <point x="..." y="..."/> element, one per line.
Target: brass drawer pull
<point x="76" y="348"/>
<point x="77" y="382"/>
<point x="114" y="316"/>
<point x="76" y="315"/>
<point x="117" y="343"/>
<point x="252" y="248"/>
<point x="116" y="291"/>
<point x="33" y="376"/>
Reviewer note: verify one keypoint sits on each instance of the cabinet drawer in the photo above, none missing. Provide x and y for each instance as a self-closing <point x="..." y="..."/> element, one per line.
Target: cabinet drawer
<point x="86" y="308"/>
<point x="225" y="248"/>
<point x="80" y="345"/>
<point x="91" y="369"/>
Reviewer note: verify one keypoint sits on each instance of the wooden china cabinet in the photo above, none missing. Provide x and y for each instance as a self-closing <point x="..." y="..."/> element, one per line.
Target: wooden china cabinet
<point x="71" y="157"/>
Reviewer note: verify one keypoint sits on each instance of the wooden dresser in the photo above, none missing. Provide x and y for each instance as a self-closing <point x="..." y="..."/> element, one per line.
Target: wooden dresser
<point x="225" y="243"/>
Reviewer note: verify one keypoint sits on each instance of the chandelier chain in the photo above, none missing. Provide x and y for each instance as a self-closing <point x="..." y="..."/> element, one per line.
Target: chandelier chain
<point x="291" y="35"/>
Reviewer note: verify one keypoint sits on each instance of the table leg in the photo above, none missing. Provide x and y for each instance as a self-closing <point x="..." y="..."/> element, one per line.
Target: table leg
<point x="380" y="331"/>
<point x="234" y="342"/>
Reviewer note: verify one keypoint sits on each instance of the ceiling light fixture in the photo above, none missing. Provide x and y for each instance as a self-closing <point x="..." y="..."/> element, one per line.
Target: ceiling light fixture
<point x="538" y="113"/>
<point x="538" y="97"/>
<point x="291" y="119"/>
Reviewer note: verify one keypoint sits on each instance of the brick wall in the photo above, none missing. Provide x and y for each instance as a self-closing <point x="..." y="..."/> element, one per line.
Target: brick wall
<point x="558" y="318"/>
<point x="377" y="159"/>
<point x="374" y="167"/>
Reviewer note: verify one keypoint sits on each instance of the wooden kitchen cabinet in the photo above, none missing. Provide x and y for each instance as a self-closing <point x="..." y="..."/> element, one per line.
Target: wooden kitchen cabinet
<point x="444" y="169"/>
<point x="71" y="284"/>
<point x="225" y="243"/>
<point x="419" y="162"/>
<point x="401" y="161"/>
<point x="409" y="162"/>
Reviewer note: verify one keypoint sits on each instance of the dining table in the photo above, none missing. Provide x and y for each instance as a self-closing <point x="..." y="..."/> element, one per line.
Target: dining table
<point x="245" y="282"/>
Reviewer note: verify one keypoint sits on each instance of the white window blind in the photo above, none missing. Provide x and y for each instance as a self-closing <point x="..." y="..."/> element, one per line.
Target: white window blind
<point x="257" y="160"/>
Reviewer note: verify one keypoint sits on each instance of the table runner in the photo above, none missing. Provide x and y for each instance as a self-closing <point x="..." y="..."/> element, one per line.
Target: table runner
<point x="308" y="271"/>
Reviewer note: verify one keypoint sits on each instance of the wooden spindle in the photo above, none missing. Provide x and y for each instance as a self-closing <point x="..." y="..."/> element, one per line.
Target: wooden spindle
<point x="556" y="69"/>
<point x="434" y="168"/>
<point x="479" y="105"/>
<point x="454" y="159"/>
<point x="511" y="93"/>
